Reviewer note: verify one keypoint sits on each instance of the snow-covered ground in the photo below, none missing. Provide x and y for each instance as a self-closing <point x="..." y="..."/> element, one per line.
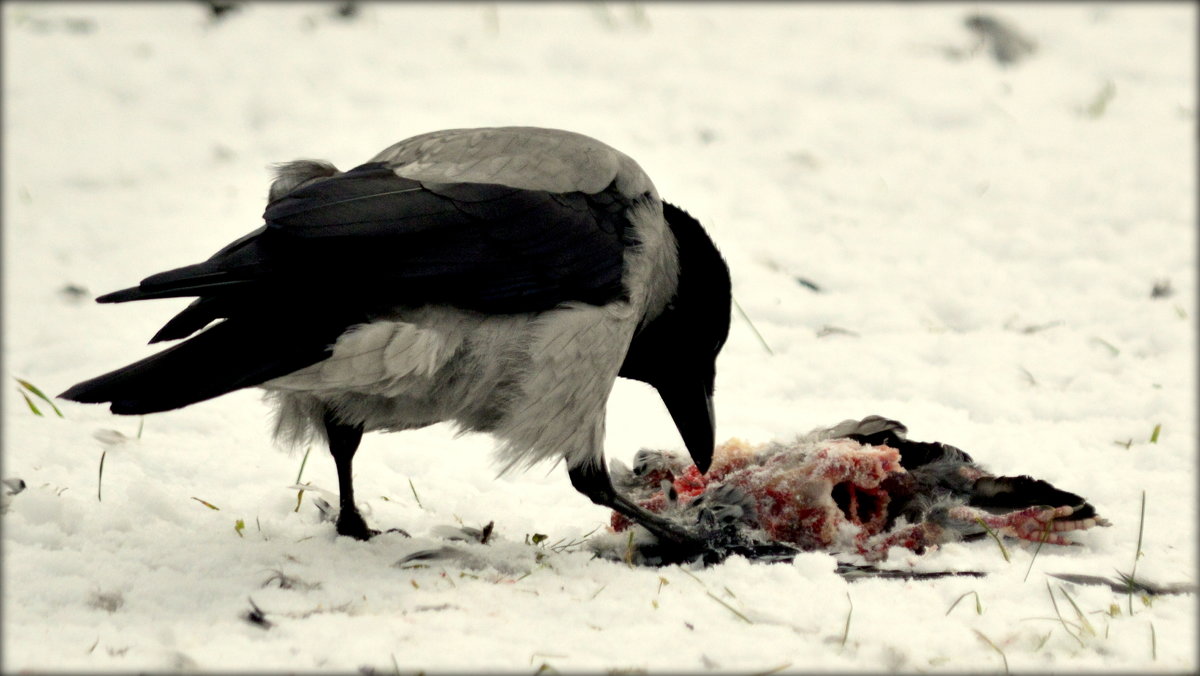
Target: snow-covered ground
<point x="988" y="235"/>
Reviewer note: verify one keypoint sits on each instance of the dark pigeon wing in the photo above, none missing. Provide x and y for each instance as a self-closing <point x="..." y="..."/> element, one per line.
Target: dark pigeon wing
<point x="879" y="431"/>
<point x="933" y="470"/>
<point x="1011" y="493"/>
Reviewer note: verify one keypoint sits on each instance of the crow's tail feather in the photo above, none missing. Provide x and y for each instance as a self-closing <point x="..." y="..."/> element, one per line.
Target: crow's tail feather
<point x="233" y="267"/>
<point x="193" y="280"/>
<point x="231" y="355"/>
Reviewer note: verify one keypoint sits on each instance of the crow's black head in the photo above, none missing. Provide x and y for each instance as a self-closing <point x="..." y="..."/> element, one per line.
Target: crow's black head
<point x="676" y="351"/>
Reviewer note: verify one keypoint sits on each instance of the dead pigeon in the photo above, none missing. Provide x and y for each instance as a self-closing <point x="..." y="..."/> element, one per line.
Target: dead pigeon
<point x="859" y="487"/>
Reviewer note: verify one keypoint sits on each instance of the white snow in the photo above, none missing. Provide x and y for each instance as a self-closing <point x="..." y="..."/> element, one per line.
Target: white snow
<point x="989" y="234"/>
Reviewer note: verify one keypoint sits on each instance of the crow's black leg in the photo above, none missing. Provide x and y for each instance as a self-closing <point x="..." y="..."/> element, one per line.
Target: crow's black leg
<point x="343" y="442"/>
<point x="593" y="481"/>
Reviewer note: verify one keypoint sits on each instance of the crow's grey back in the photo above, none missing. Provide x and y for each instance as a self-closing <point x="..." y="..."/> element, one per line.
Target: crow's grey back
<point x="529" y="158"/>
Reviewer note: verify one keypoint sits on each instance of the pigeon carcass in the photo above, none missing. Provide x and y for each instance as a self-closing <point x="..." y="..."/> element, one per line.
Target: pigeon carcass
<point x="859" y="487"/>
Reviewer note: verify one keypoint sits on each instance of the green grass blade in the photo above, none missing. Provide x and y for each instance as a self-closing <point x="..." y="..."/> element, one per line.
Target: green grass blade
<point x="772" y="670"/>
<point x="100" y="476"/>
<point x="29" y="401"/>
<point x="846" y="629"/>
<point x="303" y="463"/>
<point x="416" y="497"/>
<point x="758" y="335"/>
<point x="1138" y="552"/>
<point x="978" y="604"/>
<point x="206" y="503"/>
<point x="994" y="647"/>
<point x="1111" y="348"/>
<point x="1083" y="621"/>
<point x="38" y="393"/>
<point x="729" y="607"/>
<point x="1042" y="541"/>
<point x="995" y="536"/>
<point x="1060" y="617"/>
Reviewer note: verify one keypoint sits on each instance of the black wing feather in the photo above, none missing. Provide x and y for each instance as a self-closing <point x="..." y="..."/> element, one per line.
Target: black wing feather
<point x="385" y="240"/>
<point x="342" y="249"/>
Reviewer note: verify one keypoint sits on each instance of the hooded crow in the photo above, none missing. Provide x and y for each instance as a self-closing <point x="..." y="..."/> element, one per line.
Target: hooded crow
<point x="499" y="279"/>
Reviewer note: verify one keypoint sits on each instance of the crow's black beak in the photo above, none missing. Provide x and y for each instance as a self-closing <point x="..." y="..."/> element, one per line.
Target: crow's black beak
<point x="690" y="406"/>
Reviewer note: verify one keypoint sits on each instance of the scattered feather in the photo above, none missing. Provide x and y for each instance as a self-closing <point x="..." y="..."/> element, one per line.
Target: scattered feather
<point x="257" y="617"/>
<point x="1008" y="45"/>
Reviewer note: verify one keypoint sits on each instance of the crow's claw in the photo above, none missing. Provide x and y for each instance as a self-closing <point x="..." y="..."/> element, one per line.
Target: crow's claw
<point x="351" y="524"/>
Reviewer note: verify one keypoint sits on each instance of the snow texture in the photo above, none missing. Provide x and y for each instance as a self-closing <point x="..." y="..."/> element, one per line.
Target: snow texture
<point x="984" y="220"/>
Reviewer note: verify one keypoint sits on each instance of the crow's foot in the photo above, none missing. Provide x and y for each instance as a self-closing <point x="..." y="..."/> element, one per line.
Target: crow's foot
<point x="350" y="523"/>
